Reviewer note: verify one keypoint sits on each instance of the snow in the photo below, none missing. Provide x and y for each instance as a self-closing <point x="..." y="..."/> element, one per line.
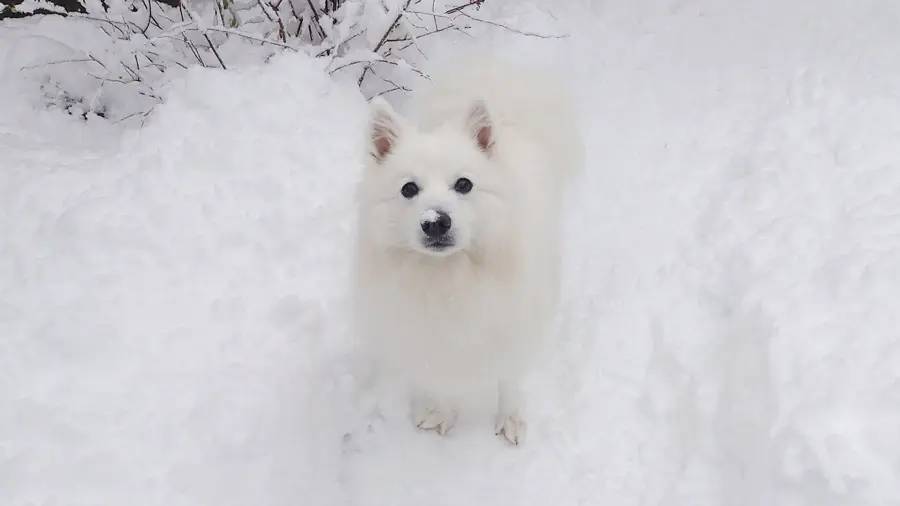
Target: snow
<point x="174" y="320"/>
<point x="430" y="215"/>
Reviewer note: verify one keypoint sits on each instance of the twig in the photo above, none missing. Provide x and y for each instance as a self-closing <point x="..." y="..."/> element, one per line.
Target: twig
<point x="173" y="29"/>
<point x="392" y="83"/>
<point x="451" y="27"/>
<point x="215" y="52"/>
<point x="218" y="11"/>
<point x="413" y="38"/>
<point x="435" y="17"/>
<point x="151" y="95"/>
<point x="112" y="79"/>
<point x="131" y="72"/>
<point x="420" y="27"/>
<point x="383" y="40"/>
<point x="514" y="30"/>
<point x="369" y="62"/>
<point x="112" y="23"/>
<point x="75" y="60"/>
<point x="385" y="92"/>
<point x="94" y="59"/>
<point x="153" y="19"/>
<point x="193" y="49"/>
<point x="461" y="7"/>
<point x="299" y="19"/>
<point x="247" y="36"/>
<point x="432" y="14"/>
<point x="391" y="28"/>
<point x="149" y="6"/>
<point x="396" y="87"/>
<point x="328" y="50"/>
<point x="261" y="6"/>
<point x="281" y="33"/>
<point x="426" y="34"/>
<point x="315" y="14"/>
<point x="159" y="66"/>
<point x="129" y="116"/>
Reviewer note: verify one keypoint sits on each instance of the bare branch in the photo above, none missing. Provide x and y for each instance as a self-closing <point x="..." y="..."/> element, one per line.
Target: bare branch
<point x="459" y="8"/>
<point x="158" y="66"/>
<point x="432" y="14"/>
<point x="132" y="115"/>
<point x="450" y="27"/>
<point x="281" y="33"/>
<point x="248" y="36"/>
<point x="426" y="34"/>
<point x="328" y="51"/>
<point x="112" y="79"/>
<point x="390" y="29"/>
<point x="131" y="72"/>
<point x="315" y="14"/>
<point x="383" y="40"/>
<point x="218" y="11"/>
<point x="193" y="49"/>
<point x="435" y="17"/>
<point x="298" y="17"/>
<point x="114" y="24"/>
<point x="263" y="7"/>
<point x="370" y="62"/>
<point x="385" y="92"/>
<point x="409" y="22"/>
<point x="149" y="6"/>
<point x="94" y="59"/>
<point x="215" y="52"/>
<point x="39" y="65"/>
<point x="514" y="30"/>
<point x="396" y="87"/>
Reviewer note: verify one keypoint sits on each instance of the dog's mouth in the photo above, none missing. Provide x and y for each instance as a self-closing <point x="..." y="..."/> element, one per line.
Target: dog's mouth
<point x="438" y="244"/>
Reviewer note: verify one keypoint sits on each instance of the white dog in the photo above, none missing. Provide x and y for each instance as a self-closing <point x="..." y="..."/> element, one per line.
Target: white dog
<point x="458" y="236"/>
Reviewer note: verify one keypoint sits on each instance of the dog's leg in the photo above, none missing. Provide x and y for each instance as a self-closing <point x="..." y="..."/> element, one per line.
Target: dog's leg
<point x="509" y="424"/>
<point x="432" y="414"/>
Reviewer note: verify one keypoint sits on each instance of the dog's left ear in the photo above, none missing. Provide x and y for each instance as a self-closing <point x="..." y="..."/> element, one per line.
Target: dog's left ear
<point x="481" y="126"/>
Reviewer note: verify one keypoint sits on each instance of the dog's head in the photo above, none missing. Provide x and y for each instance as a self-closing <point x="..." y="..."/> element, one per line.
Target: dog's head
<point x="435" y="192"/>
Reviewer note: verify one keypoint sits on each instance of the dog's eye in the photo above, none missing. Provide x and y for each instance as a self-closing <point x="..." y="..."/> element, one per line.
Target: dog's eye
<point x="409" y="190"/>
<point x="463" y="185"/>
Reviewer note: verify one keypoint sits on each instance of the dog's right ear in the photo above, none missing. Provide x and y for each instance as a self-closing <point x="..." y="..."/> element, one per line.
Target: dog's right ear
<point x="384" y="129"/>
<point x="481" y="126"/>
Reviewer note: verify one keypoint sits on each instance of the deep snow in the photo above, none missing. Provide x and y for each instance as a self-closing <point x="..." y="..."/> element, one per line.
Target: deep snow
<point x="174" y="321"/>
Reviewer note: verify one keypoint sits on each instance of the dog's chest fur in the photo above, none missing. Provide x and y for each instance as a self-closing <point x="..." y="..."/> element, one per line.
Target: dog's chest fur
<point x="448" y="318"/>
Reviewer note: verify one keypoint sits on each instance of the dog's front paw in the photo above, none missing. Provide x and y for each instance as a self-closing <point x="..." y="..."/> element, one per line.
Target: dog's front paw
<point x="434" y="418"/>
<point x="511" y="428"/>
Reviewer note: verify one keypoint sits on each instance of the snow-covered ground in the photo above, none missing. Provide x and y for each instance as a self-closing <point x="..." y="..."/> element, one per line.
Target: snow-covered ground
<point x="174" y="309"/>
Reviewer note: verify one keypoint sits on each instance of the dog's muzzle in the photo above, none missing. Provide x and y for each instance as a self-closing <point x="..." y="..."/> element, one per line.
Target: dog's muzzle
<point x="436" y="225"/>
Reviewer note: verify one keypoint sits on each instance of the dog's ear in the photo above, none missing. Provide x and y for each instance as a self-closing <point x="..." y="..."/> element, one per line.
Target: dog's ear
<point x="481" y="126"/>
<point x="384" y="129"/>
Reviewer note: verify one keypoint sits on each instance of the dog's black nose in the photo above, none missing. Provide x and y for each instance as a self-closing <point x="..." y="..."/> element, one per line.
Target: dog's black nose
<point x="438" y="225"/>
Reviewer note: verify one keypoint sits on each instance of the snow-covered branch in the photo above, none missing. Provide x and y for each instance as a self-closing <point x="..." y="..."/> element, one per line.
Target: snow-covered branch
<point x="378" y="43"/>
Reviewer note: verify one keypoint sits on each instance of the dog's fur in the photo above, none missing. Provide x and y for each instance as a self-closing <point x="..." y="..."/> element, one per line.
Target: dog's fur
<point x="478" y="309"/>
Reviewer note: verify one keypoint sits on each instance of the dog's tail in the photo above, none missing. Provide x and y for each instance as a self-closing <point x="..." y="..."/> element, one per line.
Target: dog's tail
<point x="534" y="102"/>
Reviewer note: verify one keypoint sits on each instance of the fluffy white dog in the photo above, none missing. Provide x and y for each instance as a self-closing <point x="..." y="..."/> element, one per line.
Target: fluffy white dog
<point x="458" y="236"/>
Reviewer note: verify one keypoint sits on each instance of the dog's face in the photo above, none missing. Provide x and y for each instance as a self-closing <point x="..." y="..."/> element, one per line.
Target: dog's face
<point x="435" y="193"/>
